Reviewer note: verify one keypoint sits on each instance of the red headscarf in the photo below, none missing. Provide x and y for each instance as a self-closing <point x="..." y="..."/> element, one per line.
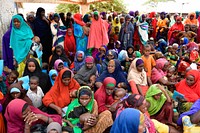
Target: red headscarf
<point x="59" y="94"/>
<point x="69" y="43"/>
<point x="78" y="19"/>
<point x="191" y="93"/>
<point x="183" y="66"/>
<point x="101" y="97"/>
<point x="152" y="15"/>
<point x="176" y="26"/>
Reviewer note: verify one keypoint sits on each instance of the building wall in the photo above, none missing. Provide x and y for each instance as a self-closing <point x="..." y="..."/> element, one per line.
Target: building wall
<point x="8" y="9"/>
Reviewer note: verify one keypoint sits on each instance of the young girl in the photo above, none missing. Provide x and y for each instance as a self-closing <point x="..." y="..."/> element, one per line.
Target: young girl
<point x="52" y="75"/>
<point x="101" y="55"/>
<point x="58" y="65"/>
<point x="79" y="61"/>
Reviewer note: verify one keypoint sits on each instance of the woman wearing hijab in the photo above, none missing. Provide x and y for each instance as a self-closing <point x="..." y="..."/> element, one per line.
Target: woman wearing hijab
<point x="69" y="20"/>
<point x="129" y="121"/>
<point x="152" y="16"/>
<point x="98" y="32"/>
<point x="58" y="65"/>
<point x="2" y="125"/>
<point x="191" y="20"/>
<point x="113" y="70"/>
<point x="86" y="71"/>
<point x="59" y="96"/>
<point x="81" y="38"/>
<point x="174" y="30"/>
<point x="43" y="31"/>
<point x="21" y="117"/>
<point x="115" y="23"/>
<point x="126" y="33"/>
<point x="137" y="77"/>
<point x="79" y="60"/>
<point x="20" y="41"/>
<point x="189" y="87"/>
<point x="32" y="68"/>
<point x="110" y="54"/>
<point x="58" y="31"/>
<point x="70" y="44"/>
<point x="162" y="44"/>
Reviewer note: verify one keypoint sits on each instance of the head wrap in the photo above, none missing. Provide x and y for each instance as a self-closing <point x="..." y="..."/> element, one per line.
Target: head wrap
<point x="96" y="13"/>
<point x="139" y="62"/>
<point x="137" y="54"/>
<point x="134" y="101"/>
<point x="183" y="66"/>
<point x="14" y="89"/>
<point x="84" y="90"/>
<point x="67" y="74"/>
<point x="131" y="13"/>
<point x="54" y="126"/>
<point x="89" y="59"/>
<point x="127" y="17"/>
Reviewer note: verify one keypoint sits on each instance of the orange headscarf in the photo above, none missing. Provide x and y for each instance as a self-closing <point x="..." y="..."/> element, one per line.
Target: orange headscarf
<point x="189" y="21"/>
<point x="59" y="94"/>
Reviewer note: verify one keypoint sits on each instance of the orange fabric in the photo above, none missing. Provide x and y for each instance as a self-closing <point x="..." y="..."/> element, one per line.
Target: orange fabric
<point x="135" y="90"/>
<point x="194" y="21"/>
<point x="2" y="125"/>
<point x="161" y="23"/>
<point x="149" y="63"/>
<point x="59" y="94"/>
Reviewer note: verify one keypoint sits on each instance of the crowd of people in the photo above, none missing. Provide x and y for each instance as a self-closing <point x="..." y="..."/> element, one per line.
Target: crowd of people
<point x="101" y="72"/>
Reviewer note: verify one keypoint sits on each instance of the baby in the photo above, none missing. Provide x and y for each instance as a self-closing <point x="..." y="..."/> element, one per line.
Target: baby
<point x="120" y="94"/>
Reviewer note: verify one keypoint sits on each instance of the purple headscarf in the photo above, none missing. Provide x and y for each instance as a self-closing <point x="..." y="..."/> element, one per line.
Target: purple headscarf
<point x="132" y="13"/>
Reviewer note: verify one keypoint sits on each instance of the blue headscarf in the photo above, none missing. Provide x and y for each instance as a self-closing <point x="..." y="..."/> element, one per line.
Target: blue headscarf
<point x="52" y="72"/>
<point x="162" y="44"/>
<point x="128" y="121"/>
<point x="185" y="40"/>
<point x="20" y="39"/>
<point x="77" y="64"/>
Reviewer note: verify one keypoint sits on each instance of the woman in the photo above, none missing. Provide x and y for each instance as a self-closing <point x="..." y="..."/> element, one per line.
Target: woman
<point x="79" y="60"/>
<point x="32" y="68"/>
<point x="70" y="44"/>
<point x="59" y="96"/>
<point x="58" y="31"/>
<point x="110" y="54"/>
<point x="86" y="71"/>
<point x="191" y="20"/>
<point x="174" y="30"/>
<point x="43" y="31"/>
<point x="21" y="117"/>
<point x="189" y="87"/>
<point x="83" y="112"/>
<point x="104" y="95"/>
<point x="81" y="38"/>
<point x="129" y="121"/>
<point x="159" y="104"/>
<point x="58" y="65"/>
<point x="20" y="41"/>
<point x="137" y="77"/>
<point x="152" y="16"/>
<point x="113" y="70"/>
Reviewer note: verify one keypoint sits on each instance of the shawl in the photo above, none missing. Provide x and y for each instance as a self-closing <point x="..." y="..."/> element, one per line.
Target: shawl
<point x="76" y="104"/>
<point x="152" y="15"/>
<point x="78" y="19"/>
<point x="157" y="72"/>
<point x="59" y="94"/>
<point x="142" y="30"/>
<point x="138" y="77"/>
<point x="55" y="56"/>
<point x="191" y="93"/>
<point x="56" y="64"/>
<point x="176" y="26"/>
<point x="161" y="23"/>
<point x="195" y="108"/>
<point x="7" y="51"/>
<point x="86" y="18"/>
<point x="13" y="115"/>
<point x="128" y="121"/>
<point x="51" y="73"/>
<point x="70" y="43"/>
<point x="77" y="64"/>
<point x="114" y="24"/>
<point x="44" y="81"/>
<point x="189" y="21"/>
<point x="20" y="39"/>
<point x="101" y="97"/>
<point x="83" y="74"/>
<point x="156" y="105"/>
<point x="98" y="33"/>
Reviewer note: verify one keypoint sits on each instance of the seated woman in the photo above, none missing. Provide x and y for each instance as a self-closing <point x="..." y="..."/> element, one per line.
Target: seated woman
<point x="32" y="68"/>
<point x="82" y="114"/>
<point x="113" y="70"/>
<point x="79" y="61"/>
<point x="159" y="104"/>
<point x="59" y="96"/>
<point x="21" y="117"/>
<point x="58" y="65"/>
<point x="189" y="86"/>
<point x="159" y="73"/>
<point x="129" y="121"/>
<point x="137" y="77"/>
<point x="83" y="75"/>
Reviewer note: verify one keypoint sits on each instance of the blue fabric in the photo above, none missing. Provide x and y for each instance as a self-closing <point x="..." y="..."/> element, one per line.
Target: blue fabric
<point x="1" y="67"/>
<point x="185" y="40"/>
<point x="162" y="44"/>
<point x="77" y="64"/>
<point x="52" y="72"/>
<point x="81" y="41"/>
<point x="20" y="39"/>
<point x="195" y="108"/>
<point x="127" y="122"/>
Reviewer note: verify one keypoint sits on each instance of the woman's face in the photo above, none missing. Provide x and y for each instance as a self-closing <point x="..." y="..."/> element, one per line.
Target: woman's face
<point x="109" y="90"/>
<point x="166" y="66"/>
<point x="66" y="81"/>
<point x="17" y="23"/>
<point x="89" y="65"/>
<point x="157" y="96"/>
<point x="58" y="51"/>
<point x="96" y="17"/>
<point x="31" y="66"/>
<point x="69" y="32"/>
<point x="191" y="17"/>
<point x="16" y="95"/>
<point x="190" y="80"/>
<point x="111" y="67"/>
<point x="130" y="50"/>
<point x="60" y="67"/>
<point x="84" y="99"/>
<point x="56" y="19"/>
<point x="80" y="58"/>
<point x="140" y="67"/>
<point x="42" y="13"/>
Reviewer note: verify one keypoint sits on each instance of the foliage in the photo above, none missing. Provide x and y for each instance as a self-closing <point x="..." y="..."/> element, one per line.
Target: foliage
<point x="156" y="1"/>
<point x="111" y="5"/>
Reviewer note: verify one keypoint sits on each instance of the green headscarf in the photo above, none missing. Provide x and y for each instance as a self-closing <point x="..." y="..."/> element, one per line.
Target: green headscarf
<point x="137" y="54"/>
<point x="156" y="105"/>
<point x="74" y="104"/>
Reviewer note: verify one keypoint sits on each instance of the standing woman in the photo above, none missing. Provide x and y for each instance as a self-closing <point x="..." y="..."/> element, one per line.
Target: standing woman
<point x="152" y="15"/>
<point x="43" y="31"/>
<point x="20" y="41"/>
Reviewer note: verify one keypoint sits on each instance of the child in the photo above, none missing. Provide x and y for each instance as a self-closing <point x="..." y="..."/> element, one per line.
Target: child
<point x="148" y="59"/>
<point x="122" y="85"/>
<point x="52" y="75"/>
<point x="101" y="55"/>
<point x="109" y="56"/>
<point x="92" y="81"/>
<point x="58" y="65"/>
<point x="35" y="93"/>
<point x="12" y="77"/>
<point x="79" y="61"/>
<point x="172" y="57"/>
<point x="117" y="47"/>
<point x="120" y="94"/>
<point x="172" y="77"/>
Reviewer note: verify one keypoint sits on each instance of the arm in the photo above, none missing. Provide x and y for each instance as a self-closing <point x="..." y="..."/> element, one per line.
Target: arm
<point x="139" y="89"/>
<point x="164" y="92"/>
<point x="165" y="82"/>
<point x="55" y="107"/>
<point x="149" y="81"/>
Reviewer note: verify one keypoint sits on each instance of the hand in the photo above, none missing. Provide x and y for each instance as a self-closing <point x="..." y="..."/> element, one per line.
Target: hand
<point x="44" y="18"/>
<point x="59" y="111"/>
<point x="92" y="121"/>
<point x="161" y="87"/>
<point x="30" y="118"/>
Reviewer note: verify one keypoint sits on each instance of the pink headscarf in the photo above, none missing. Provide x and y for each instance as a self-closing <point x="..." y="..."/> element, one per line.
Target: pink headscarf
<point x="57" y="62"/>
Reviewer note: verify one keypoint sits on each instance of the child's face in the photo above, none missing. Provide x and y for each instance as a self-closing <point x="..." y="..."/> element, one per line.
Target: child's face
<point x="130" y="50"/>
<point x="84" y="100"/>
<point x="80" y="58"/>
<point x="117" y="30"/>
<point x="119" y="94"/>
<point x="58" y="51"/>
<point x="140" y="67"/>
<point x="117" y="45"/>
<point x="169" y="49"/>
<point x="110" y="57"/>
<point x="16" y="95"/>
<point x="31" y="66"/>
<point x="170" y="73"/>
<point x="60" y="67"/>
<point x="92" y="79"/>
<point x="53" y="77"/>
<point x="56" y="19"/>
<point x="11" y="78"/>
<point x="102" y="51"/>
<point x="33" y="84"/>
<point x="187" y="28"/>
<point x="36" y="39"/>
<point x="147" y="51"/>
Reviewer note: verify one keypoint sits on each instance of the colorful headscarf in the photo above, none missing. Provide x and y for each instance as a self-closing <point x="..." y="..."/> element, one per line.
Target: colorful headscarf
<point x="77" y="64"/>
<point x="183" y="66"/>
<point x="52" y="72"/>
<point x="78" y="20"/>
